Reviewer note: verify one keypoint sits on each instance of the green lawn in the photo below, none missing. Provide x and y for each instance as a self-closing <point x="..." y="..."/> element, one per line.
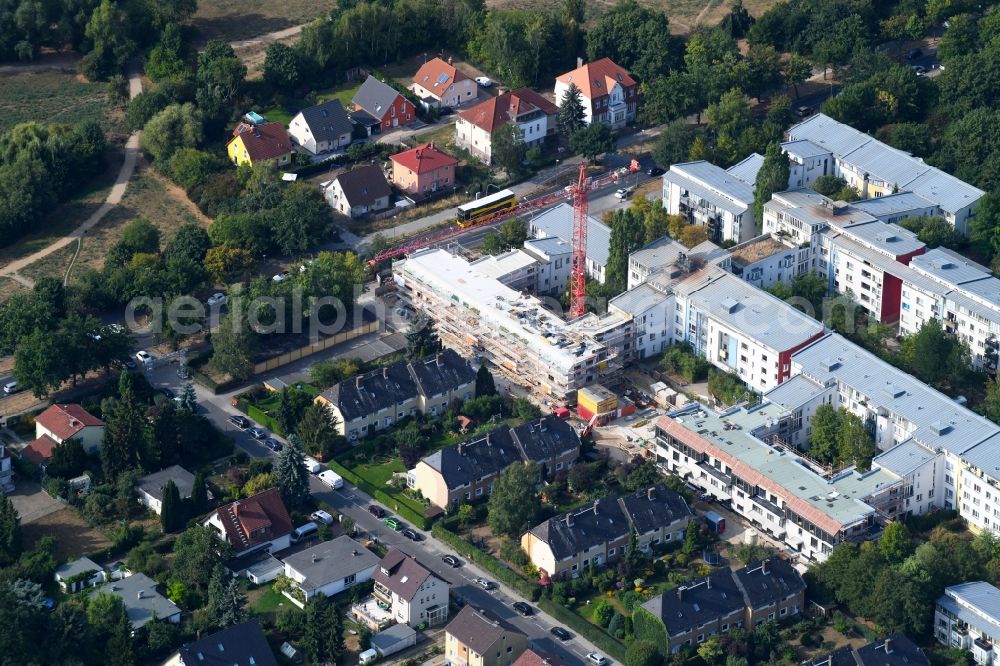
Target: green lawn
<point x="379" y="474"/>
<point x="269" y="602"/>
<point x="52" y="97"/>
<point x="344" y="93"/>
<point x="277" y="115"/>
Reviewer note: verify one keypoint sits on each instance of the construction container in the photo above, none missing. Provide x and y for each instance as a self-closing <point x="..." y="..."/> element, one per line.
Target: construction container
<point x="716" y="523"/>
<point x="596" y="400"/>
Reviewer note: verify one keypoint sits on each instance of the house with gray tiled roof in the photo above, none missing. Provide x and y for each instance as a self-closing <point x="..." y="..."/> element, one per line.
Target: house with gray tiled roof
<point x="720" y="602"/>
<point x="143" y="603"/>
<point x="466" y="471"/>
<point x="479" y="638"/>
<point x="895" y="650"/>
<point x="598" y="534"/>
<point x="377" y="399"/>
<point x="322" y="128"/>
<point x="384" y="104"/>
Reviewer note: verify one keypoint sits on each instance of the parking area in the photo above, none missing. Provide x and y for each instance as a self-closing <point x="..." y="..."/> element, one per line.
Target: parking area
<point x="31" y="502"/>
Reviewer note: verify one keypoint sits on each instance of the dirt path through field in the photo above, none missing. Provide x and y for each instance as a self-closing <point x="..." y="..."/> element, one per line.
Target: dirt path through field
<point x="113" y="199"/>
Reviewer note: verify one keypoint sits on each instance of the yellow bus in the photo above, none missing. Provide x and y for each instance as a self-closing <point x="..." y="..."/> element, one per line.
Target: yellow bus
<point x="485" y="208"/>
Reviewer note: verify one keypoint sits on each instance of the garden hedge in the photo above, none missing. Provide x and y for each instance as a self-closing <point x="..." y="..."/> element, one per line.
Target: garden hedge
<point x="405" y="512"/>
<point x="610" y="646"/>
<point x="502" y="572"/>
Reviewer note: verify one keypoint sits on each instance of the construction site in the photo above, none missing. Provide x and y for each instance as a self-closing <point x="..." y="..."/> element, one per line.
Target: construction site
<point x="479" y="316"/>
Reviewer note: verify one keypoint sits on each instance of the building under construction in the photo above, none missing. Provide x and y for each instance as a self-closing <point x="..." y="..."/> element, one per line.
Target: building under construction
<point x="477" y="315"/>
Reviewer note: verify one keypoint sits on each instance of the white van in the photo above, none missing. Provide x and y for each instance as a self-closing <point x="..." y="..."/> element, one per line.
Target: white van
<point x="332" y="479"/>
<point x="312" y="465"/>
<point x="367" y="657"/>
<point x="304" y="531"/>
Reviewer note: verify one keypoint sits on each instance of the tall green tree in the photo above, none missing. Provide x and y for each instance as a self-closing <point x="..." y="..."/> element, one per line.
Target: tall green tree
<point x="823" y="440"/>
<point x="484" y="381"/>
<point x="282" y="67"/>
<point x="797" y="71"/>
<point x="199" y="494"/>
<point x="738" y="21"/>
<point x="226" y="599"/>
<point x="197" y="551"/>
<point x="636" y="37"/>
<point x="175" y="127"/>
<point x="68" y="459"/>
<point x="126" y="431"/>
<point x="40" y="363"/>
<point x="291" y="476"/>
<point x="11" y="543"/>
<point x="854" y="442"/>
<point x="233" y="346"/>
<point x="323" y="640"/>
<point x="111" y="46"/>
<point x="513" y="504"/>
<point x="571" y="112"/>
<point x="317" y="430"/>
<point x="592" y="141"/>
<point x="507" y="148"/>
<point x="172" y="516"/>
<point x="772" y="177"/>
<point x="422" y="340"/>
<point x="673" y="144"/>
<point x="220" y="76"/>
<point x="627" y="234"/>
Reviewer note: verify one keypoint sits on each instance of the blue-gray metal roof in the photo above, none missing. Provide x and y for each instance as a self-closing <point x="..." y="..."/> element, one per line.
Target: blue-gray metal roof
<point x="712" y="183"/>
<point x="981" y="596"/>
<point x="558" y="222"/>
<point x="937" y="421"/>
<point x="985" y="456"/>
<point x="949" y="267"/>
<point x="904" y="458"/>
<point x="893" y="204"/>
<point x="889" y="238"/>
<point x="744" y="308"/>
<point x="886" y="163"/>
<point x="638" y="300"/>
<point x="549" y="246"/>
<point x="747" y="168"/>
<point x="76" y="567"/>
<point x="804" y="149"/>
<point x="794" y="392"/>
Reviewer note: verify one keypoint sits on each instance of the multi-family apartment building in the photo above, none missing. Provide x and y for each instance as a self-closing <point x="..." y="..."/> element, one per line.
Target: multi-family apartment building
<point x="477" y="314"/>
<point x="555" y="263"/>
<point x="414" y="595"/>
<point x="860" y="255"/>
<point x="962" y="295"/>
<point x="557" y="222"/>
<point x="598" y="534"/>
<point x="967" y="617"/>
<point x="379" y="398"/>
<point x="952" y="454"/>
<point x="534" y="116"/>
<point x="609" y="93"/>
<point x="739" y="456"/>
<point x="690" y="614"/>
<point x="466" y="472"/>
<point x="689" y="299"/>
<point x="713" y="197"/>
<point x="821" y="146"/>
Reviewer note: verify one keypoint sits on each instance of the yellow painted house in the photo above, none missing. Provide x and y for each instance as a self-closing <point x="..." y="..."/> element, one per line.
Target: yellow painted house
<point x="253" y="144"/>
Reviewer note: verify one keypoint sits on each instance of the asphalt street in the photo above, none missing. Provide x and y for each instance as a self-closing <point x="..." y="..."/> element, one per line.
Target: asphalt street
<point x="354" y="503"/>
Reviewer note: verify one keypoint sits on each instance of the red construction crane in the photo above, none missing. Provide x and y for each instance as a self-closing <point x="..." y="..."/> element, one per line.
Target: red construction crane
<point x="578" y="275"/>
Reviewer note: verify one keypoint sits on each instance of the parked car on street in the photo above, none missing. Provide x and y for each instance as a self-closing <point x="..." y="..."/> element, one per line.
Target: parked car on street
<point x="560" y="633"/>
<point x="332" y="479"/>
<point x="376" y="511"/>
<point x="654" y="171"/>
<point x="484" y="81"/>
<point x="451" y="561"/>
<point x="412" y="534"/>
<point x="142" y="356"/>
<point x="217" y="298"/>
<point x="240" y="422"/>
<point x="522" y="608"/>
<point x="257" y="432"/>
<point x="273" y="444"/>
<point x="485" y="584"/>
<point x="10" y="387"/>
<point x="597" y="659"/>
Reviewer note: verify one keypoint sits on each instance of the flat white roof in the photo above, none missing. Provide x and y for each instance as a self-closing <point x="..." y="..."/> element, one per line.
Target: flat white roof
<point x="559" y="343"/>
<point x="501" y="265"/>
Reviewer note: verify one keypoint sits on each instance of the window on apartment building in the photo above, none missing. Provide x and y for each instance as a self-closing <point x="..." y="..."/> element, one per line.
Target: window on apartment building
<point x="479" y="492"/>
<point x="783" y="612"/>
<point x="611" y="552"/>
<point x="468" y="496"/>
<point x="701" y="638"/>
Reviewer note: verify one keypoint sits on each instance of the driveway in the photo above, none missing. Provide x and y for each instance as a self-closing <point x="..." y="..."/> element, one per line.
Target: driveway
<point x="32" y="503"/>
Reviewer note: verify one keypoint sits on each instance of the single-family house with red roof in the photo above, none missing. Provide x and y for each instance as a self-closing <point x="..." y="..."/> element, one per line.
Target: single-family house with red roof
<point x="253" y="144"/>
<point x="62" y="422"/>
<point x="609" y="93"/>
<point x="440" y="84"/>
<point x="423" y="169"/>
<point x="254" y="524"/>
<point x="533" y="114"/>
<point x="383" y="104"/>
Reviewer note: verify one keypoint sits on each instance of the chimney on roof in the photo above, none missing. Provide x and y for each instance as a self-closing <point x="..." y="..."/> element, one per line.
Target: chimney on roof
<point x="314" y="558"/>
<point x="569" y="519"/>
<point x="418" y="153"/>
<point x="888" y="646"/>
<point x="763" y="567"/>
<point x="236" y="508"/>
<point x="354" y="552"/>
<point x="357" y="381"/>
<point x="651" y="494"/>
<point x="708" y="583"/>
<point x="437" y="358"/>
<point x="385" y="372"/>
<point x="597" y="504"/>
<point x="449" y="60"/>
<point x="138" y="595"/>
<point x="579" y="63"/>
<point x="680" y="593"/>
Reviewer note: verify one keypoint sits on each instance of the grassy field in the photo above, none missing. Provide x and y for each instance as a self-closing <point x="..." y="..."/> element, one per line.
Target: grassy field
<point x="344" y="93"/>
<point x="151" y="196"/>
<point x="51" y="96"/>
<point x="8" y="288"/>
<point x="53" y="265"/>
<point x="244" y="19"/>
<point x="73" y="536"/>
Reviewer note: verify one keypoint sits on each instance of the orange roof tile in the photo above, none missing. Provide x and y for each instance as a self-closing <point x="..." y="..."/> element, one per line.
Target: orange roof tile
<point x="267" y="141"/>
<point x="596" y="79"/>
<point x="502" y="109"/>
<point x="436" y="75"/>
<point x="40" y="450"/>
<point x="423" y="159"/>
<point x="64" y="421"/>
